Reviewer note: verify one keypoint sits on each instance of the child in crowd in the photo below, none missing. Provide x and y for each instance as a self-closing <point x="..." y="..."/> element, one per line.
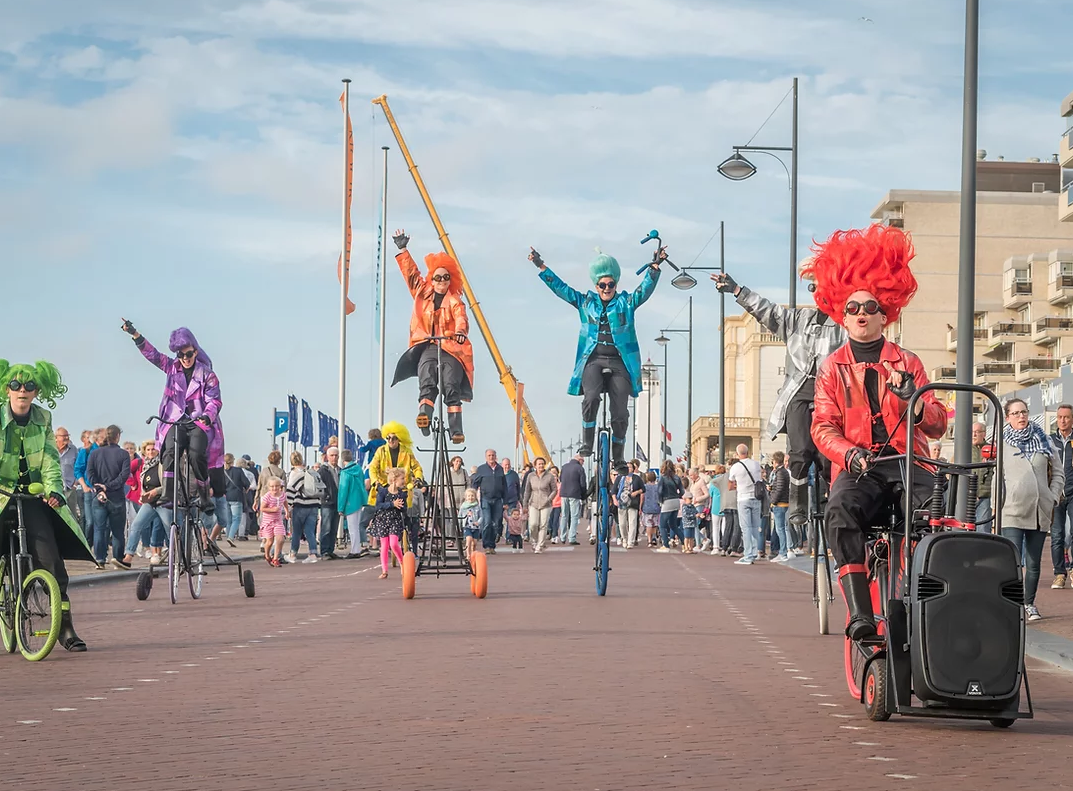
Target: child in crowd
<point x="390" y="518"/>
<point x="273" y="504"/>
<point x="650" y="508"/>
<point x="469" y="514"/>
<point x="689" y="523"/>
<point x="515" y="528"/>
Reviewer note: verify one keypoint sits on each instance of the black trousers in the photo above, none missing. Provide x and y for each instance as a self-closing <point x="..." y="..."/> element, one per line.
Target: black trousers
<point x="731" y="540"/>
<point x="858" y="504"/>
<point x="40" y="539"/>
<point x="427" y="377"/>
<point x="803" y="451"/>
<point x="617" y="386"/>
<point x="188" y="436"/>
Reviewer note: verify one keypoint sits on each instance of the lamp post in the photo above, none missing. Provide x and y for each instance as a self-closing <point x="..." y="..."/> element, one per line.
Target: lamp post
<point x="663" y="340"/>
<point x="648" y="373"/>
<point x="738" y="168"/>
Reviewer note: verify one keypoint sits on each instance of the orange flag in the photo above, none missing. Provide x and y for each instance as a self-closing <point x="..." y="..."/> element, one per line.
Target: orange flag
<point x="344" y="258"/>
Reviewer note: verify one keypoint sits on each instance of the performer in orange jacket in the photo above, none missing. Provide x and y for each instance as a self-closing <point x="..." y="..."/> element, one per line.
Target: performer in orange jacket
<point x="438" y="312"/>
<point x="863" y="281"/>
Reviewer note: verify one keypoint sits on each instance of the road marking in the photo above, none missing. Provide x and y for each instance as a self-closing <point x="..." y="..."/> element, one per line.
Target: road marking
<point x="844" y="716"/>
<point x="818" y="695"/>
<point x="212" y="657"/>
<point x="880" y="758"/>
<point x="148" y="680"/>
<point x="867" y="744"/>
<point x="29" y="722"/>
<point x="97" y="698"/>
<point x="834" y="705"/>
<point x="122" y="689"/>
<point x="65" y="709"/>
<point x="191" y="664"/>
<point x="804" y="678"/>
<point x="171" y="672"/>
<point x="903" y="777"/>
<point x="227" y="652"/>
<point x="255" y="641"/>
<point x="809" y="686"/>
<point x="851" y="727"/>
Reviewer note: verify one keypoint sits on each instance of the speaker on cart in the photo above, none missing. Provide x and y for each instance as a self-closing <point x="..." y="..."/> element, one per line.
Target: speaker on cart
<point x="967" y="632"/>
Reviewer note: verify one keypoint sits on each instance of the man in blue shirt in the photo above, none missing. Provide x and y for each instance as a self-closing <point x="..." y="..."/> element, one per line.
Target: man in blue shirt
<point x="82" y="483"/>
<point x="490" y="482"/>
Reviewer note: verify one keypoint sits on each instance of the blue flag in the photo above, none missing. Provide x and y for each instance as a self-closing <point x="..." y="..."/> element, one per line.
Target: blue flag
<point x="350" y="440"/>
<point x="322" y="429"/>
<point x="333" y="429"/>
<point x="292" y="412"/>
<point x="307" y="425"/>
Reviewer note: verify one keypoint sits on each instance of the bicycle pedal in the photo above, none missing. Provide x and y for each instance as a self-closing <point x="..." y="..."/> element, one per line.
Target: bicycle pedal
<point x="422" y="421"/>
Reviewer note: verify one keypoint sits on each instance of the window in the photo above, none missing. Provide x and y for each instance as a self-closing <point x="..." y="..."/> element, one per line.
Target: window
<point x="1024" y="315"/>
<point x="1060" y="271"/>
<point x="1019" y="281"/>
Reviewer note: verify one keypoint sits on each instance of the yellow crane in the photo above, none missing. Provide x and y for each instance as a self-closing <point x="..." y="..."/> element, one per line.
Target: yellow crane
<point x="506" y="375"/>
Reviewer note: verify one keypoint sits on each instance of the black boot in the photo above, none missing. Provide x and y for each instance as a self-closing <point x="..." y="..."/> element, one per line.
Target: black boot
<point x="454" y="425"/>
<point x="862" y="623"/>
<point x="424" y="417"/>
<point x="617" y="450"/>
<point x="588" y="437"/>
<point x="68" y="638"/>
<point x="798" y="511"/>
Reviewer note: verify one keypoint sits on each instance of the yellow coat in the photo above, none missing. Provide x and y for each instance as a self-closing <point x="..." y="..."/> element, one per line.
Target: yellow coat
<point x="381" y="463"/>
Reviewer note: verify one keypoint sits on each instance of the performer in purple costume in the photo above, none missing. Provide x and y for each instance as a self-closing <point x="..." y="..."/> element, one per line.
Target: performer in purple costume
<point x="191" y="390"/>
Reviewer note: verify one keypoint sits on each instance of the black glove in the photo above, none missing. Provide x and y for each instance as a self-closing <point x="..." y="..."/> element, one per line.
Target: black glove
<point x="460" y="338"/>
<point x="534" y="256"/>
<point x="400" y="239"/>
<point x="419" y="483"/>
<point x="906" y="389"/>
<point x="726" y="284"/>
<point x="858" y="460"/>
<point x="129" y="328"/>
<point x="205" y="420"/>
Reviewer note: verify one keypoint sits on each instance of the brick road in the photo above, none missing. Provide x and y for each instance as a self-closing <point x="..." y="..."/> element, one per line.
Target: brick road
<point x="691" y="673"/>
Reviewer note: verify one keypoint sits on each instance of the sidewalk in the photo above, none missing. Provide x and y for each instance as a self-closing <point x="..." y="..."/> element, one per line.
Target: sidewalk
<point x="86" y="573"/>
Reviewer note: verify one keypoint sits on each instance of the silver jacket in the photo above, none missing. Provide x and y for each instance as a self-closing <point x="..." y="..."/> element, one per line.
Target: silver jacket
<point x="810" y="336"/>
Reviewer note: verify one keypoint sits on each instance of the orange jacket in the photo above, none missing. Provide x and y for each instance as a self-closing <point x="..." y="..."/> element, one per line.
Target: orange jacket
<point x="450" y="319"/>
<point x="842" y="419"/>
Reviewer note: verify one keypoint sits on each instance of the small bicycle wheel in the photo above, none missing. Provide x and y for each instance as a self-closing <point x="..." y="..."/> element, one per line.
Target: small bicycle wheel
<point x="37" y="613"/>
<point x="603" y="553"/>
<point x="875" y="690"/>
<point x="823" y="594"/>
<point x="1002" y="722"/>
<point x="409" y="575"/>
<point x="195" y="566"/>
<point x="480" y="575"/>
<point x="175" y="562"/>
<point x="247" y="584"/>
<point x="7" y="607"/>
<point x="144" y="585"/>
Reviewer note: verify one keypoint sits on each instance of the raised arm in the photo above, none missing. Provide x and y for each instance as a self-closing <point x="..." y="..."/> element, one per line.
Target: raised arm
<point x="415" y="281"/>
<point x="560" y="289"/>
<point x="641" y="294"/>
<point x="149" y="352"/>
<point x="777" y="319"/>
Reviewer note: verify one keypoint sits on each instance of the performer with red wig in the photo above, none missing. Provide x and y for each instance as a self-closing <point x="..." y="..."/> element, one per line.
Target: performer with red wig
<point x="438" y="311"/>
<point x="863" y="281"/>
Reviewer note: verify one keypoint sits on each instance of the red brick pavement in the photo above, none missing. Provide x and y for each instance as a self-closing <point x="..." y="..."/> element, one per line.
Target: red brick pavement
<point x="691" y="673"/>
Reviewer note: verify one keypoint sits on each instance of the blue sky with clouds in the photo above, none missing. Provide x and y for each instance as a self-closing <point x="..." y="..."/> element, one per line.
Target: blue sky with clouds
<point x="180" y="163"/>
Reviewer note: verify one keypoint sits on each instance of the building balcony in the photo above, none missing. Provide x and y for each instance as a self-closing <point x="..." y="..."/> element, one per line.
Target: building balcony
<point x="944" y="373"/>
<point x="1017" y="294"/>
<point x="992" y="374"/>
<point x="1060" y="290"/>
<point x="1065" y="149"/>
<point x="1047" y="331"/>
<point x="1036" y="369"/>
<point x="1065" y="205"/>
<point x="979" y="336"/>
<point x="1004" y="333"/>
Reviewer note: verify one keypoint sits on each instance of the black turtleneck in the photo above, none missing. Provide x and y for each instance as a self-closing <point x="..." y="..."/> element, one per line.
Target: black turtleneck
<point x="869" y="353"/>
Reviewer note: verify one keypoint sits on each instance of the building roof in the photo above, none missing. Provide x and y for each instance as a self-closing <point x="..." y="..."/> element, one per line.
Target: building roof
<point x="1067" y="106"/>
<point x="894" y="199"/>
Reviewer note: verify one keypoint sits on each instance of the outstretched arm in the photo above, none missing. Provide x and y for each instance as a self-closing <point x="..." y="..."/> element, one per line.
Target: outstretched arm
<point x="557" y="286"/>
<point x="778" y="320"/>
<point x="410" y="273"/>
<point x="641" y="294"/>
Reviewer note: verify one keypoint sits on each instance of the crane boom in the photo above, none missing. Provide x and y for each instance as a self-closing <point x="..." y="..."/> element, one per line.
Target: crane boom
<point x="506" y="375"/>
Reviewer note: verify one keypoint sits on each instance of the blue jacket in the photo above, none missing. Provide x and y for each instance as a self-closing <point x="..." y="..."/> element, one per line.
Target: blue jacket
<point x="620" y="312"/>
<point x="352" y="492"/>
<point x="81" y="461"/>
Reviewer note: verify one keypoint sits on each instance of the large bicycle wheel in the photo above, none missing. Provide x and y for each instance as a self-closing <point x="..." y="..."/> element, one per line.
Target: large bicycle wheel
<point x="7" y="607"/>
<point x="195" y="559"/>
<point x="822" y="583"/>
<point x="37" y="615"/>
<point x="603" y="532"/>
<point x="175" y="562"/>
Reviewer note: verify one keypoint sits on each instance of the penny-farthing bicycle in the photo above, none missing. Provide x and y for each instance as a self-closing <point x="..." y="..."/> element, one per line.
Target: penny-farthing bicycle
<point x="440" y="547"/>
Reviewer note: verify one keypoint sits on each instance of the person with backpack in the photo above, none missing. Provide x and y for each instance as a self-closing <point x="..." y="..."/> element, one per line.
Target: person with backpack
<point x="747" y="480"/>
<point x="630" y="492"/>
<point x="305" y="491"/>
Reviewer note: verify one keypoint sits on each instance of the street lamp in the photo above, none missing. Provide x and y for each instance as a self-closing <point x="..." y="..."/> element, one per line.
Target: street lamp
<point x="737" y="168"/>
<point x="663" y="340"/>
<point x="648" y="372"/>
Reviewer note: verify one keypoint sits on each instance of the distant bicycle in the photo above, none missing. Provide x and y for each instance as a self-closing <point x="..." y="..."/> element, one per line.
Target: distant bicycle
<point x="30" y="606"/>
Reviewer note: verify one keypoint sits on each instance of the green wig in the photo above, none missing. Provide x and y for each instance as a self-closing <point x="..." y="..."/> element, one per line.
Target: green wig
<point x="604" y="266"/>
<point x="45" y="375"/>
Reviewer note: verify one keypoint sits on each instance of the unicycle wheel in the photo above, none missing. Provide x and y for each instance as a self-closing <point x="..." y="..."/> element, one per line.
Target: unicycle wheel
<point x="144" y="585"/>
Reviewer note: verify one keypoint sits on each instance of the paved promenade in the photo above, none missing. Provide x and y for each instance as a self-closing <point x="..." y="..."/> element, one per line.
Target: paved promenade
<point x="692" y="673"/>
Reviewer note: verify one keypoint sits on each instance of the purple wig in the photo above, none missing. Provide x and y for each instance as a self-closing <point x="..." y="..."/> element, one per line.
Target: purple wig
<point x="181" y="338"/>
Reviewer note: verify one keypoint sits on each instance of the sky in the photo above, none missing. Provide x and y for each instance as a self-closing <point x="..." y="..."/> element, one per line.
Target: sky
<point x="181" y="164"/>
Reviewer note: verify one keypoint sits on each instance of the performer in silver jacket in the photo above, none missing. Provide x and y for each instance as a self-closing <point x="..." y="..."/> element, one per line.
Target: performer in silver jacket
<point x="809" y="336"/>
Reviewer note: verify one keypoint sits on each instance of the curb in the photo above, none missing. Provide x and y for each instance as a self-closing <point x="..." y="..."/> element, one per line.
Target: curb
<point x="1039" y="644"/>
<point x="108" y="577"/>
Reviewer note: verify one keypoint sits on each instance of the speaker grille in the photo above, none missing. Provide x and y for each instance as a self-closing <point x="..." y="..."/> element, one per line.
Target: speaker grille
<point x="1014" y="592"/>
<point x="929" y="587"/>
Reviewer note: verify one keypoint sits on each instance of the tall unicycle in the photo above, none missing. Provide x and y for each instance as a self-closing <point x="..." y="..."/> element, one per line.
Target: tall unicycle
<point x="602" y="511"/>
<point x="822" y="583"/>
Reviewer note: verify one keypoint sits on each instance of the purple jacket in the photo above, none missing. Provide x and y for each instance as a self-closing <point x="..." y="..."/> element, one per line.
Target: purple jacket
<point x="202" y="395"/>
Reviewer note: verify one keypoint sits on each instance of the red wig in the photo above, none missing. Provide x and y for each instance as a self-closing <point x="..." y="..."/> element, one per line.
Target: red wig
<point x="436" y="261"/>
<point x="874" y="260"/>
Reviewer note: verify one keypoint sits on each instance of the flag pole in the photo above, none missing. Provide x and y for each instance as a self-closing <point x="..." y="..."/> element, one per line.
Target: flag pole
<point x="383" y="287"/>
<point x="344" y="279"/>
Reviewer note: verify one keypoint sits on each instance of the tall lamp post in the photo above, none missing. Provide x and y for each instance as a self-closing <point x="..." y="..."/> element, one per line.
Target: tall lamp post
<point x="663" y="340"/>
<point x="737" y="168"/>
<point x="648" y="373"/>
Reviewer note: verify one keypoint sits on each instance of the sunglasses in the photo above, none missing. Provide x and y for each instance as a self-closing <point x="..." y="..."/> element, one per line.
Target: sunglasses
<point x="854" y="308"/>
<point x="444" y="278"/>
<point x="187" y="355"/>
<point x="392" y="437"/>
<point x="30" y="386"/>
<point x="606" y="285"/>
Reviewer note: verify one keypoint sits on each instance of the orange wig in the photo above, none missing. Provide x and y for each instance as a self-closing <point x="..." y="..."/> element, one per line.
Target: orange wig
<point x="874" y="260"/>
<point x="436" y="261"/>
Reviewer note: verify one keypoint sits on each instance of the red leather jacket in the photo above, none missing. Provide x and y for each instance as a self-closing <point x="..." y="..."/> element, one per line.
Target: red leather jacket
<point x="842" y="419"/>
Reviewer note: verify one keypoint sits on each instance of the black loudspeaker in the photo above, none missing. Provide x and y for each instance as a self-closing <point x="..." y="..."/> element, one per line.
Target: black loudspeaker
<point x="967" y="627"/>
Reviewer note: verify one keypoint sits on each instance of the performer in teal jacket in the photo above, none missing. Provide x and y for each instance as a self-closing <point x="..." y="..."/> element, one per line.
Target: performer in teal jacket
<point x="607" y="341"/>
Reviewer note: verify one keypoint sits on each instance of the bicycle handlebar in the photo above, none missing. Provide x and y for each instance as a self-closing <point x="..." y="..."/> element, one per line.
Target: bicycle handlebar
<point x="36" y="492"/>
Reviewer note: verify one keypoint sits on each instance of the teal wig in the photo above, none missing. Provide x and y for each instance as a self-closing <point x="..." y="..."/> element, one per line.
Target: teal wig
<point x="45" y="375"/>
<point x="604" y="266"/>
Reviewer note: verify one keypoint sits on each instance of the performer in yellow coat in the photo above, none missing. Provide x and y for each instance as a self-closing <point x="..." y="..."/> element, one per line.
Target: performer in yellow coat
<point x="398" y="452"/>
